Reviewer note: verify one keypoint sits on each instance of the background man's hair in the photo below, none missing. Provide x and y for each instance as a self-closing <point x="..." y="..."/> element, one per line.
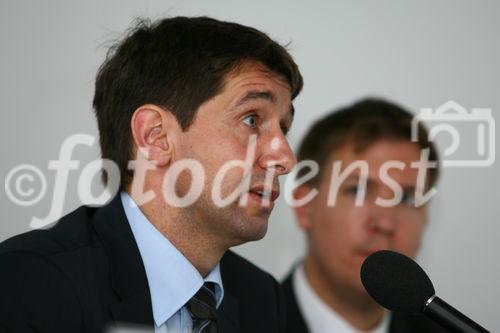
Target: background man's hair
<point x="176" y="63"/>
<point x="362" y="124"/>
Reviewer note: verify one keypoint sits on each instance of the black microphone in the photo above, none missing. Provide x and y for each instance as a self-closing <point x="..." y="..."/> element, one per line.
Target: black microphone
<point x="399" y="284"/>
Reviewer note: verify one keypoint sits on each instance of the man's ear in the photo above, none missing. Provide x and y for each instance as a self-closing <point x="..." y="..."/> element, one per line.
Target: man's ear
<point x="303" y="212"/>
<point x="152" y="130"/>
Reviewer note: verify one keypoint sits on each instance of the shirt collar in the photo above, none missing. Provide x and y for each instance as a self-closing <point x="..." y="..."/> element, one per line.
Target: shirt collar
<point x="318" y="315"/>
<point x="172" y="279"/>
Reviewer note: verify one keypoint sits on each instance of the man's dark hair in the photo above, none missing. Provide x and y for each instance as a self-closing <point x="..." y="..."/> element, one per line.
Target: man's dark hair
<point x="362" y="124"/>
<point x="176" y="63"/>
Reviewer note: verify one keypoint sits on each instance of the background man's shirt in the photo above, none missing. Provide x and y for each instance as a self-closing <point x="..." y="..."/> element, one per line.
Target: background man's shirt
<point x="319" y="317"/>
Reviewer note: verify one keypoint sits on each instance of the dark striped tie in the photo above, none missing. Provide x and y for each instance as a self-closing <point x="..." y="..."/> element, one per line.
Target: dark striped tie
<point x="202" y="307"/>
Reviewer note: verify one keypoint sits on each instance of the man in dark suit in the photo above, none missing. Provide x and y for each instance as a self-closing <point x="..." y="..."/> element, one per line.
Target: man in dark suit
<point x="202" y="106"/>
<point x="366" y="197"/>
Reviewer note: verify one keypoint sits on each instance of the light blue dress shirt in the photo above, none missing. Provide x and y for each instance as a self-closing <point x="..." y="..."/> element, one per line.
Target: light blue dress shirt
<point x="172" y="279"/>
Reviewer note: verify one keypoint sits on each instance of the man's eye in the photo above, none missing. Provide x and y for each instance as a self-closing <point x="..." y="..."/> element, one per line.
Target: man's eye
<point x="251" y="120"/>
<point x="408" y="199"/>
<point x="353" y="190"/>
<point x="285" y="130"/>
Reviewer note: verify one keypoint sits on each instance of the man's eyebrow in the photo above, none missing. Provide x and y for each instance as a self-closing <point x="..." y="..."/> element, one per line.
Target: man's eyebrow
<point x="263" y="95"/>
<point x="256" y="95"/>
<point x="353" y="176"/>
<point x="410" y="188"/>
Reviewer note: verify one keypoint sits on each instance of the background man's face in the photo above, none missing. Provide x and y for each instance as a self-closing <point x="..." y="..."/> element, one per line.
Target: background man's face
<point x="342" y="236"/>
<point x="253" y="102"/>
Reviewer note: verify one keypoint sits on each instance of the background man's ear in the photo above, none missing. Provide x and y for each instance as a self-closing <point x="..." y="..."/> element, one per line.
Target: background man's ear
<point x="303" y="212"/>
<point x="152" y="129"/>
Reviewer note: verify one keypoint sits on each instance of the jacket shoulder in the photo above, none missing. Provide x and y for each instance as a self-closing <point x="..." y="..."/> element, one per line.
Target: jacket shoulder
<point x="36" y="295"/>
<point x="69" y="233"/>
<point x="46" y="272"/>
<point x="242" y="276"/>
<point x="236" y="264"/>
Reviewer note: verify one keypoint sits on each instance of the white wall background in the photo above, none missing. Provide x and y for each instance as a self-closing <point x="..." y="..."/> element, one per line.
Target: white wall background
<point x="420" y="53"/>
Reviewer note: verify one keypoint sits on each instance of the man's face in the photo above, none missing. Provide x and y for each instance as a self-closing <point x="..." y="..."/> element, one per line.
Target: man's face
<point x="342" y="236"/>
<point x="254" y="102"/>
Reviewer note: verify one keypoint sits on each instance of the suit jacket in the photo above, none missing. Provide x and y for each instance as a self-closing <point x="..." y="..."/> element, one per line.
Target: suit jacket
<point x="399" y="323"/>
<point x="86" y="273"/>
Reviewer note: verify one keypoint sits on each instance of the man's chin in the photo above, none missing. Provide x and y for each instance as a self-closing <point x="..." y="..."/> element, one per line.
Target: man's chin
<point x="362" y="294"/>
<point x="257" y="228"/>
<point x="251" y="229"/>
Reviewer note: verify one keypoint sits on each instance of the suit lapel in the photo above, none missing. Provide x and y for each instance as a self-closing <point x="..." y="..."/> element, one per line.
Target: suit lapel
<point x="128" y="276"/>
<point x="228" y="314"/>
<point x="133" y="310"/>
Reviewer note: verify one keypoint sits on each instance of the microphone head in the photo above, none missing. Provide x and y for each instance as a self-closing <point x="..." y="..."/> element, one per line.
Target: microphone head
<point x="396" y="282"/>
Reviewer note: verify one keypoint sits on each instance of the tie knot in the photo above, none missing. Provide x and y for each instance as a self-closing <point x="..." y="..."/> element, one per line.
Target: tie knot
<point x="203" y="304"/>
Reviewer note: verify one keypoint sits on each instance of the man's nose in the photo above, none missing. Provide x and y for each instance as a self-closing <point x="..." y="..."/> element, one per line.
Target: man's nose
<point x="383" y="220"/>
<point x="277" y="154"/>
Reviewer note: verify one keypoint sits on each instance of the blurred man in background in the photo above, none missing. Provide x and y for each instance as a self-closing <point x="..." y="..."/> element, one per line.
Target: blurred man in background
<point x="324" y="292"/>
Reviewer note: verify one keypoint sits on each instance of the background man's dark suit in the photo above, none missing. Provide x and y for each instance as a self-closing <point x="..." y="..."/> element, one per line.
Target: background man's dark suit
<point x="86" y="272"/>
<point x="399" y="323"/>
